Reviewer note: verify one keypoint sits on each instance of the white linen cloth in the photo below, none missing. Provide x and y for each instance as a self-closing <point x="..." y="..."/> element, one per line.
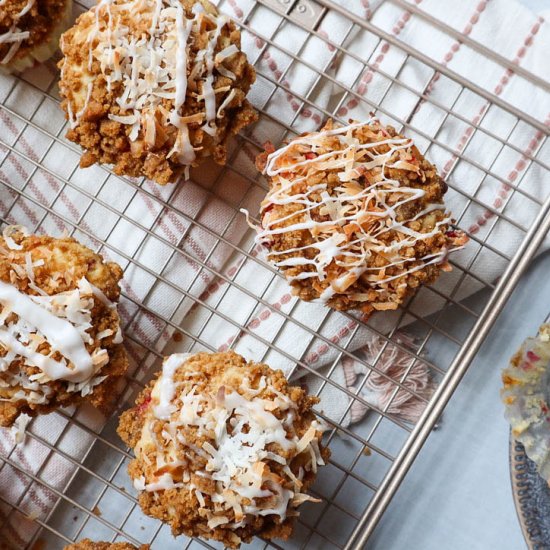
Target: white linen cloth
<point x="213" y="197"/>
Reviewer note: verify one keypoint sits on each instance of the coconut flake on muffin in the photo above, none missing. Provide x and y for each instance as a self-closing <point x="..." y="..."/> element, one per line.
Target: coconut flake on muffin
<point x="225" y="448"/>
<point x="30" y="31"/>
<point x="154" y="87"/>
<point x="60" y="337"/>
<point x="354" y="217"/>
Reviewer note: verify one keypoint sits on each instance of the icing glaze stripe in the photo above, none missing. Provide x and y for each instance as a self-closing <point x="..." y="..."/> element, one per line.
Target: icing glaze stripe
<point x="61" y="335"/>
<point x="349" y="221"/>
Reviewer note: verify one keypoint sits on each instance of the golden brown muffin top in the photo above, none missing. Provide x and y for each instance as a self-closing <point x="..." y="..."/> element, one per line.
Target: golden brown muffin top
<point x="225" y="449"/>
<point x="354" y="216"/>
<point x="25" y="24"/>
<point x="59" y="327"/>
<point x="161" y="83"/>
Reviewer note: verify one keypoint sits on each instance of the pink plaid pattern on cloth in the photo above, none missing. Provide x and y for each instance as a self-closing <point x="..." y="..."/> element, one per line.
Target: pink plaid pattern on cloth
<point x="128" y="220"/>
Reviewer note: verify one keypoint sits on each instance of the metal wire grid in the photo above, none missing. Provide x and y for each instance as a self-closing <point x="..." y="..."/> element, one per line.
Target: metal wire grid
<point x="369" y="458"/>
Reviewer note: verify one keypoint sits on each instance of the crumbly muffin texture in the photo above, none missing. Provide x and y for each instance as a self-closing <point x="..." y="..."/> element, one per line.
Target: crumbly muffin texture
<point x="28" y="25"/>
<point x="154" y="87"/>
<point x="225" y="449"/>
<point x="354" y="217"/>
<point x="88" y="544"/>
<point x="60" y="337"/>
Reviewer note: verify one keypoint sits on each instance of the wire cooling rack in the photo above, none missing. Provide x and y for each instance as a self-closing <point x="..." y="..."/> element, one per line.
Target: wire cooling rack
<point x="369" y="458"/>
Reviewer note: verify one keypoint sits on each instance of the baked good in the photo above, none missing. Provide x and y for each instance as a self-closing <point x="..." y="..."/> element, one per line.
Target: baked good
<point x="525" y="393"/>
<point x="154" y="87"/>
<point x="354" y="217"/>
<point x="88" y="544"/>
<point x="60" y="338"/>
<point x="224" y="449"/>
<point x="30" y="31"/>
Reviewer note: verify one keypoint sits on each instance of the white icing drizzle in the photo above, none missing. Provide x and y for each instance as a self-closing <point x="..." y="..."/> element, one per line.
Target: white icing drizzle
<point x="61" y="335"/>
<point x="356" y="215"/>
<point x="236" y="459"/>
<point x="155" y="66"/>
<point x="183" y="30"/>
<point x="14" y="35"/>
<point x="62" y="321"/>
<point x="167" y="387"/>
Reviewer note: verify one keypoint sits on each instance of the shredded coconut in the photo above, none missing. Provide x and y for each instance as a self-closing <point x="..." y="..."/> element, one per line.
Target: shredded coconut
<point x="18" y="429"/>
<point x="9" y="231"/>
<point x="241" y="432"/>
<point x="14" y="35"/>
<point x="349" y="224"/>
<point x="154" y="65"/>
<point x="62" y="321"/>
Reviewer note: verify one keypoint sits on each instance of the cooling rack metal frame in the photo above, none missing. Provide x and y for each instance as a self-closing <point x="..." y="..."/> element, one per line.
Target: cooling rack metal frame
<point x="102" y="462"/>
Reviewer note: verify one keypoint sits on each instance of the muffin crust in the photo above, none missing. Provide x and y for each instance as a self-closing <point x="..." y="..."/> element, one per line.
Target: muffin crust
<point x="159" y="91"/>
<point x="225" y="449"/>
<point x="61" y="284"/>
<point x="26" y="25"/>
<point x="354" y="217"/>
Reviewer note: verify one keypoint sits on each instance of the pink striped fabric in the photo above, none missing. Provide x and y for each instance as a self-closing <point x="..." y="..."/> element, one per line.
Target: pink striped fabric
<point x="187" y="232"/>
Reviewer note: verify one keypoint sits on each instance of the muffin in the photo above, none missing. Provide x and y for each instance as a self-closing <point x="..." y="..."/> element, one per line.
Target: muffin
<point x="60" y="337"/>
<point x="224" y="449"/>
<point x="154" y="87"/>
<point x="30" y="31"/>
<point x="354" y="217"/>
<point x="88" y="544"/>
<point x="526" y="398"/>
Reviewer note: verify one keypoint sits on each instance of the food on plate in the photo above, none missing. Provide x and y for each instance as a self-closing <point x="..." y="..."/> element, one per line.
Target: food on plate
<point x="30" y="31"/>
<point x="225" y="449"/>
<point x="526" y="398"/>
<point x="354" y="217"/>
<point x="60" y="335"/>
<point x="154" y="87"/>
